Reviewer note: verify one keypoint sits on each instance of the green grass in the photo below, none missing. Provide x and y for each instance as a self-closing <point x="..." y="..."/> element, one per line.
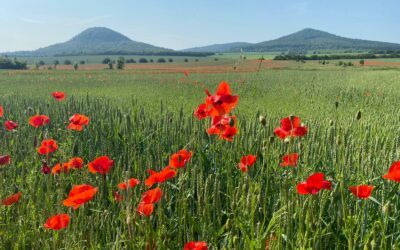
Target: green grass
<point x="139" y="120"/>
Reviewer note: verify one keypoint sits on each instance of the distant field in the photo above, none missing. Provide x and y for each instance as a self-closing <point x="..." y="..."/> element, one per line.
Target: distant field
<point x="142" y="115"/>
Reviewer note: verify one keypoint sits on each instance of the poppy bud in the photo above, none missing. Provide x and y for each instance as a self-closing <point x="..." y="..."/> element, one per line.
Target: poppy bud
<point x="231" y="122"/>
<point x="45" y="169"/>
<point x="262" y="120"/>
<point x="358" y="117"/>
<point x="336" y="104"/>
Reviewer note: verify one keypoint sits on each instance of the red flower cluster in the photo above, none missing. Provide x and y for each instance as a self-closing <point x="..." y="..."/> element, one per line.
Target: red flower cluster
<point x="290" y="127"/>
<point x="149" y="198"/>
<point x="314" y="184"/>
<point x="100" y="165"/>
<point x="218" y="107"/>
<point x="10" y="125"/>
<point x="77" y="121"/>
<point x="79" y="195"/>
<point x="74" y="163"/>
<point x="48" y="146"/>
<point x="247" y="161"/>
<point x="57" y="222"/>
<point x="196" y="245"/>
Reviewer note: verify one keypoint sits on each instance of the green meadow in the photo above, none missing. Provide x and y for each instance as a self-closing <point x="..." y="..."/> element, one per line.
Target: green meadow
<point x="140" y="119"/>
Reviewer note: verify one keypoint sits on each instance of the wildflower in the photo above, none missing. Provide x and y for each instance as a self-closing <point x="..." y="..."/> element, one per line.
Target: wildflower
<point x="222" y="102"/>
<point x="48" y="146"/>
<point x="180" y="159"/>
<point x="11" y="199"/>
<point x="290" y="127"/>
<point x="159" y="177"/>
<point x="247" y="161"/>
<point x="5" y="160"/>
<point x="201" y="111"/>
<point x="100" y="165"/>
<point x="131" y="183"/>
<point x="196" y="245"/>
<point x="152" y="196"/>
<point x="10" y="125"/>
<point x="362" y="191"/>
<point x="39" y="120"/>
<point x="57" y="222"/>
<point x="394" y="172"/>
<point x="145" y="209"/>
<point x="77" y="121"/>
<point x="59" y="96"/>
<point x="79" y="195"/>
<point x="290" y="160"/>
<point x="314" y="184"/>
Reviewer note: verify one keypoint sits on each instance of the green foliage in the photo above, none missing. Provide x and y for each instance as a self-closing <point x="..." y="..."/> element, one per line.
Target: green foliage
<point x="7" y="63"/>
<point x="67" y="62"/>
<point x="143" y="60"/>
<point x="106" y="60"/>
<point x="76" y="66"/>
<point x="140" y="120"/>
<point x="121" y="63"/>
<point x="161" y="60"/>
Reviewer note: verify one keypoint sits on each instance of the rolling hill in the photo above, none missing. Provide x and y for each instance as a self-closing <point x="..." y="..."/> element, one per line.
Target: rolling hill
<point x="225" y="47"/>
<point x="92" y="41"/>
<point x="303" y="40"/>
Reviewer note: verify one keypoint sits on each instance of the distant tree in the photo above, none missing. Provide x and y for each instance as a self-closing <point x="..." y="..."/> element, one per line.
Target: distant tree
<point x="56" y="62"/>
<point x="67" y="62"/>
<point x="120" y="63"/>
<point x="161" y="60"/>
<point x="110" y="65"/>
<point x="143" y="60"/>
<point x="41" y="63"/>
<point x="7" y="63"/>
<point x="151" y="60"/>
<point x="131" y="60"/>
<point x="362" y="62"/>
<point x="106" y="60"/>
<point x="215" y="59"/>
<point x="76" y="66"/>
<point x="82" y="62"/>
<point x="37" y="66"/>
<point x="186" y="60"/>
<point x="196" y="60"/>
<point x="170" y="60"/>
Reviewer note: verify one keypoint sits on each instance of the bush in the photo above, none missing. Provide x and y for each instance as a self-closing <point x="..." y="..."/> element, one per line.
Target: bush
<point x="82" y="62"/>
<point x="362" y="62"/>
<point x="161" y="60"/>
<point x="196" y="60"/>
<point x="131" y="60"/>
<point x="143" y="60"/>
<point x="41" y="63"/>
<point x="110" y="65"/>
<point x="120" y="63"/>
<point x="76" y="65"/>
<point x="67" y="62"/>
<point x="151" y="60"/>
<point x="186" y="60"/>
<point x="7" y="63"/>
<point x="170" y="60"/>
<point x="106" y="60"/>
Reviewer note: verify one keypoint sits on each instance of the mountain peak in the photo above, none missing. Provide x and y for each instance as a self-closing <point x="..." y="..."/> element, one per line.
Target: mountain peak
<point x="100" y="34"/>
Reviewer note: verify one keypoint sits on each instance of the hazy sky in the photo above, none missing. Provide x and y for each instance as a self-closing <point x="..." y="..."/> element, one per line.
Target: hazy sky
<point x="178" y="24"/>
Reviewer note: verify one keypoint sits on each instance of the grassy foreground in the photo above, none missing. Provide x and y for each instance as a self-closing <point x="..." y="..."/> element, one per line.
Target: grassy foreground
<point x="139" y="120"/>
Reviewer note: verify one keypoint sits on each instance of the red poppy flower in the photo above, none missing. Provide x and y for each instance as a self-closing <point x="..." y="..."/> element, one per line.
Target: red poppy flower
<point x="145" y="209"/>
<point x="290" y="126"/>
<point x="10" y="125"/>
<point x="362" y="191"/>
<point x="159" y="177"/>
<point x="290" y="160"/>
<point x="180" y="159"/>
<point x="394" y="172"/>
<point x="57" y="222"/>
<point x="11" y="199"/>
<point x="5" y="159"/>
<point x="1" y="111"/>
<point x="222" y="102"/>
<point x="247" y="161"/>
<point x="77" y="121"/>
<point x="201" y="112"/>
<point x="101" y="165"/>
<point x="39" y="120"/>
<point x="117" y="196"/>
<point x="131" y="183"/>
<point x="152" y="196"/>
<point x="58" y="168"/>
<point x="186" y="73"/>
<point x="196" y="245"/>
<point x="314" y="184"/>
<point x="76" y="163"/>
<point x="48" y="146"/>
<point x="224" y="126"/>
<point x="79" y="195"/>
<point x="59" y="96"/>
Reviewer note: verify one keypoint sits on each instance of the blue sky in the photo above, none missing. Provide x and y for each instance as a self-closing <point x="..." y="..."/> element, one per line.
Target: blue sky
<point x="178" y="24"/>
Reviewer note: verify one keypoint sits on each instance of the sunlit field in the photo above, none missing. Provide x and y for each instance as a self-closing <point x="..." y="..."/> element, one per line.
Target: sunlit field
<point x="347" y="136"/>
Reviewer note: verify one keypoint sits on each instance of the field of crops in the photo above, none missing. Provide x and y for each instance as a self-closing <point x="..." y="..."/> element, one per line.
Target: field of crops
<point x="349" y="132"/>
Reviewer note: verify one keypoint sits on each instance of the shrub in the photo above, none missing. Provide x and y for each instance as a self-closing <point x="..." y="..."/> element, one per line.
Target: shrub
<point x="67" y="62"/>
<point x="106" y="60"/>
<point x="120" y="63"/>
<point x="161" y="60"/>
<point x="7" y="63"/>
<point x="143" y="60"/>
